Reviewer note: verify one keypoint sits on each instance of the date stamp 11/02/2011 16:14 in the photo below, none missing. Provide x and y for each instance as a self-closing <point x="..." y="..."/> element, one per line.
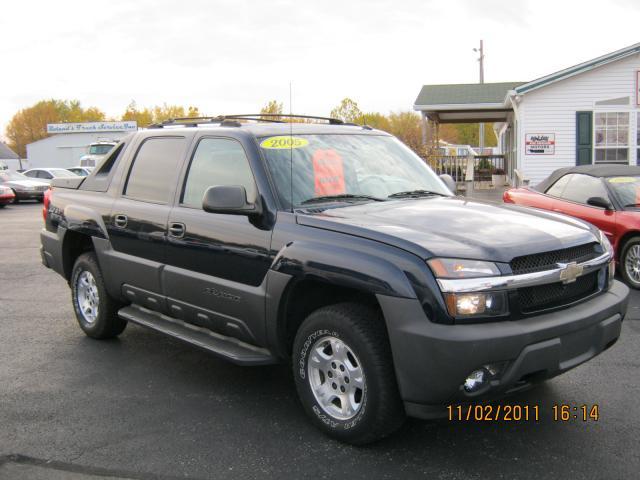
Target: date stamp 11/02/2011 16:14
<point x="518" y="413"/>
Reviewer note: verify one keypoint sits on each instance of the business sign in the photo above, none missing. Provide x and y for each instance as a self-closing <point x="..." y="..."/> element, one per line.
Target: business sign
<point x="92" y="127"/>
<point x="540" y="144"/>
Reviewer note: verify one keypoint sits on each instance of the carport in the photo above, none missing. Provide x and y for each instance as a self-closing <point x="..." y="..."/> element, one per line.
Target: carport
<point x="469" y="103"/>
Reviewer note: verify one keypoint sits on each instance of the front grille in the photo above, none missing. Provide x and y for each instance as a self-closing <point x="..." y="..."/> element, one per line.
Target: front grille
<point x="547" y="260"/>
<point x="542" y="297"/>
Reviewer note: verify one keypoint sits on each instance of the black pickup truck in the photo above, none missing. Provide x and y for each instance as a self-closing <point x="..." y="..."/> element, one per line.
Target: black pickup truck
<point x="334" y="248"/>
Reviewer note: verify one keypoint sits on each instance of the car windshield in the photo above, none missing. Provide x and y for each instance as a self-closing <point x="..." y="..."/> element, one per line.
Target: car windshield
<point x="99" y="149"/>
<point x="60" y="172"/>
<point x="346" y="168"/>
<point x="9" y="176"/>
<point x="626" y="190"/>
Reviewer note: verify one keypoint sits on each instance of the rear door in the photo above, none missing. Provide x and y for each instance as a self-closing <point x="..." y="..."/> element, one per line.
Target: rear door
<point x="217" y="263"/>
<point x="572" y="200"/>
<point x="138" y="222"/>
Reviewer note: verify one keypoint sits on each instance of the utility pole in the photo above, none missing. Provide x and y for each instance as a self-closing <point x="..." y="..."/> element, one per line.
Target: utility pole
<point x="481" y="62"/>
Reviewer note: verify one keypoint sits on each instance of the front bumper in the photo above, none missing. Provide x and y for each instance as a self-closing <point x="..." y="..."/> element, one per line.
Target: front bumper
<point x="432" y="360"/>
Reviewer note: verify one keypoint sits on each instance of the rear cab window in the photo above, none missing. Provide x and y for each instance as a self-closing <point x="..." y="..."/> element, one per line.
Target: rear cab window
<point x="154" y="171"/>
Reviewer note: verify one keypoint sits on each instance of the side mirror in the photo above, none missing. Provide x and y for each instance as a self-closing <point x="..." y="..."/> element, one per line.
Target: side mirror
<point x="449" y="182"/>
<point x="600" y="202"/>
<point x="229" y="199"/>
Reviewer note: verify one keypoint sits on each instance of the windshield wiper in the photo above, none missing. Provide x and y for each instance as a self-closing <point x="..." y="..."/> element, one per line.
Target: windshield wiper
<point x="343" y="196"/>
<point x="632" y="205"/>
<point x="416" y="193"/>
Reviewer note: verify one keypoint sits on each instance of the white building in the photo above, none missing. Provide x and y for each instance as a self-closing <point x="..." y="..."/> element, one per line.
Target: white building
<point x="70" y="141"/>
<point x="588" y="113"/>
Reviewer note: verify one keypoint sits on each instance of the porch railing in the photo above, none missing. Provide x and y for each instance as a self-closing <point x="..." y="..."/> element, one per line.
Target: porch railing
<point x="484" y="167"/>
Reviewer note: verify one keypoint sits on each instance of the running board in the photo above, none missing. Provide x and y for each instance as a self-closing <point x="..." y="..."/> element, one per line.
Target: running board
<point x="229" y="348"/>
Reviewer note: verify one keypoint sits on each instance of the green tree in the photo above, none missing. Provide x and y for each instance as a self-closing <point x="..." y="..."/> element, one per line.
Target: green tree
<point x="348" y="111"/>
<point x="30" y="124"/>
<point x="376" y="120"/>
<point x="407" y="127"/>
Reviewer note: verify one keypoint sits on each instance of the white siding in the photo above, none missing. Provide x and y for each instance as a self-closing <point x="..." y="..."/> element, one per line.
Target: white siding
<point x="552" y="109"/>
<point x="65" y="150"/>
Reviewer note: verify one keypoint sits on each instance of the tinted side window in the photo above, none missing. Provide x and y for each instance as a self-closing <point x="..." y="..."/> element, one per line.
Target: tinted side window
<point x="557" y="188"/>
<point x="582" y="187"/>
<point x="217" y="161"/>
<point x="32" y="174"/>
<point x="43" y="174"/>
<point x="155" y="169"/>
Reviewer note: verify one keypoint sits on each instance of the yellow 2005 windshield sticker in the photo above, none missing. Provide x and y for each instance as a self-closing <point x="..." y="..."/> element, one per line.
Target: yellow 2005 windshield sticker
<point x="284" y="142"/>
<point x="623" y="180"/>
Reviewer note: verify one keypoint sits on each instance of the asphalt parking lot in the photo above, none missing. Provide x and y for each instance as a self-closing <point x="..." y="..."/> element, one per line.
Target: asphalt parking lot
<point x="145" y="406"/>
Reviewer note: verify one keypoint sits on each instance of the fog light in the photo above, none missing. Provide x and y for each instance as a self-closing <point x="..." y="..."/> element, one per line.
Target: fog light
<point x="475" y="381"/>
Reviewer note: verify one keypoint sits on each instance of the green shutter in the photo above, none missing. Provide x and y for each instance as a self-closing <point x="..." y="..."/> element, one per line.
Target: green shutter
<point x="584" y="138"/>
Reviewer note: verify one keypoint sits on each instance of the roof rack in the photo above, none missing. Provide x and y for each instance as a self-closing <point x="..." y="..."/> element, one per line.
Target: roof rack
<point x="233" y="120"/>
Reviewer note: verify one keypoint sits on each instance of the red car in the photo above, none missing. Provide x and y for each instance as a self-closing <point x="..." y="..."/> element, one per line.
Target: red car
<point x="6" y="196"/>
<point x="608" y="196"/>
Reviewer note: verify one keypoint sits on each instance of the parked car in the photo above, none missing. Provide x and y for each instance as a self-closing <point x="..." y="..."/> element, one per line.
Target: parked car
<point x="48" y="174"/>
<point x="82" y="171"/>
<point x="336" y="249"/>
<point x="607" y="196"/>
<point x="6" y="196"/>
<point x="24" y="188"/>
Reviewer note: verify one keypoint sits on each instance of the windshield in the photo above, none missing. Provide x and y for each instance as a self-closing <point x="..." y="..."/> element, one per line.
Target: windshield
<point x="9" y="176"/>
<point x="626" y="190"/>
<point x="345" y="166"/>
<point x="99" y="149"/>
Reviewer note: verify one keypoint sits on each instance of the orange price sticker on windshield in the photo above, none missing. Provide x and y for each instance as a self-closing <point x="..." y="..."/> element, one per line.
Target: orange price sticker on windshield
<point x="328" y="172"/>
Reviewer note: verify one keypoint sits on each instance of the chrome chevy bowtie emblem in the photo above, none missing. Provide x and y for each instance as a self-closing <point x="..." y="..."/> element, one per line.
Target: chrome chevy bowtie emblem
<point x="569" y="271"/>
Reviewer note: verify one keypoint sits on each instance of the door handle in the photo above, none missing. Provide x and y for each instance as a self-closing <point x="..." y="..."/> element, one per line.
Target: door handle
<point x="120" y="220"/>
<point x="177" y="229"/>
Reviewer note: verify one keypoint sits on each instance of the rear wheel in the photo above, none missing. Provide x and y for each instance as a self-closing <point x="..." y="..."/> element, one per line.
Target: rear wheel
<point x="15" y="198"/>
<point x="344" y="373"/>
<point x="96" y="311"/>
<point x="630" y="262"/>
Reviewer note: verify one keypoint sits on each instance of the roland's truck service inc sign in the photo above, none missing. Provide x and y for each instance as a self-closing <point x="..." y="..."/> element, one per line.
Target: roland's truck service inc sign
<point x="92" y="127"/>
<point x="540" y="143"/>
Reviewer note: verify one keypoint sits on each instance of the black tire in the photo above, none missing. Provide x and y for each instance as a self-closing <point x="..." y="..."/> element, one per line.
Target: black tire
<point x="2" y="205"/>
<point x="106" y="324"/>
<point x="362" y="331"/>
<point x="16" y="200"/>
<point x="629" y="251"/>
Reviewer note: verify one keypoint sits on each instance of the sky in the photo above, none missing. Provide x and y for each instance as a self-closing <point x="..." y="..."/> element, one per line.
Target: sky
<point x="233" y="56"/>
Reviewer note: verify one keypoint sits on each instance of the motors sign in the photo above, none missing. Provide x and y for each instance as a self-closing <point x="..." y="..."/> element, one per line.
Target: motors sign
<point x="540" y="143"/>
<point x="92" y="127"/>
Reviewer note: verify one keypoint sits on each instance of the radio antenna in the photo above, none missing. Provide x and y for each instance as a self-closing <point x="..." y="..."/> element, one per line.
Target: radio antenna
<point x="290" y="147"/>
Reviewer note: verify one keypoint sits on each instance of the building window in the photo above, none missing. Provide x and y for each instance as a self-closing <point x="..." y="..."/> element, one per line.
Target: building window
<point x="611" y="134"/>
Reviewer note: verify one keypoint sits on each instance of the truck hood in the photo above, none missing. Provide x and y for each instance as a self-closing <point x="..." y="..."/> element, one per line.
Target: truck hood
<point x="456" y="227"/>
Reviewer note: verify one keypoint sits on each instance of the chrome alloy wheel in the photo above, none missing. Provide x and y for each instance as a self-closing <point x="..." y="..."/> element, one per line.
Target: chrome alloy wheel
<point x="87" y="296"/>
<point x="336" y="378"/>
<point x="632" y="263"/>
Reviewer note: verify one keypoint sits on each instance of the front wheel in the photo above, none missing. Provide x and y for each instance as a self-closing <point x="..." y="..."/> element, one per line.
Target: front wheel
<point x="95" y="309"/>
<point x="344" y="373"/>
<point x="630" y="262"/>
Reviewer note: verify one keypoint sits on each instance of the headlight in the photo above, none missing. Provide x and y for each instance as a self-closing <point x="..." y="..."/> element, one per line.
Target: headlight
<point x="461" y="268"/>
<point x="480" y="304"/>
<point x="604" y="241"/>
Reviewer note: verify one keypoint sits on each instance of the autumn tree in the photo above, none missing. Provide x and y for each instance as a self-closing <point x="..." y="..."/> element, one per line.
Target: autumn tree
<point x="157" y="114"/>
<point x="142" y="117"/>
<point x="376" y="120"/>
<point x="348" y="111"/>
<point x="272" y="108"/>
<point x="30" y="124"/>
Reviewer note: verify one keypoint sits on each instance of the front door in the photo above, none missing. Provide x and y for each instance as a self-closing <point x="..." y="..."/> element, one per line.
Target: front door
<point x="217" y="263"/>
